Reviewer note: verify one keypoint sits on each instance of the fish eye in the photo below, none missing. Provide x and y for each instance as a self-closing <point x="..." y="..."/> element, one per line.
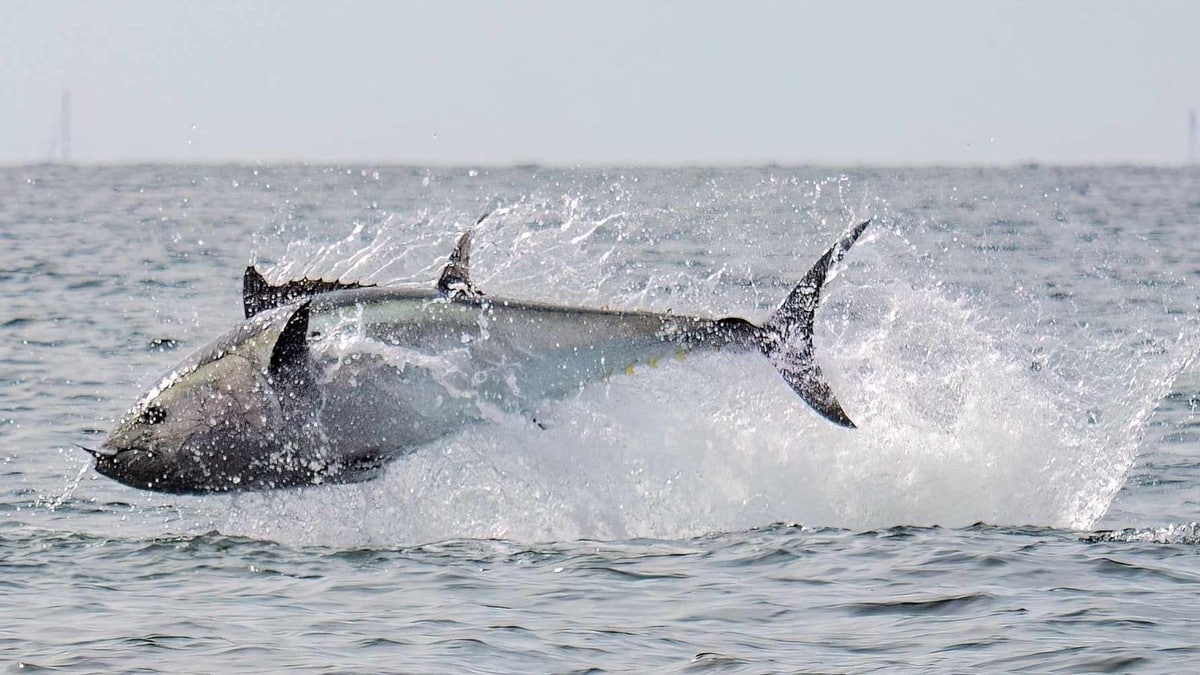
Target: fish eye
<point x="153" y="414"/>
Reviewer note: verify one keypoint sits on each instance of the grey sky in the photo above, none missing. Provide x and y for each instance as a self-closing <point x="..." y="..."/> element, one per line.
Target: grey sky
<point x="602" y="82"/>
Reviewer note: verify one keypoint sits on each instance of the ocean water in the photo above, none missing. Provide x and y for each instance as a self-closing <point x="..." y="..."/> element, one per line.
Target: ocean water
<point x="1016" y="346"/>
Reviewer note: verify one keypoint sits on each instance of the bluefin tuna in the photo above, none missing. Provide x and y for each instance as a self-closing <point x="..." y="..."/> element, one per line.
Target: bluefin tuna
<point x="326" y="382"/>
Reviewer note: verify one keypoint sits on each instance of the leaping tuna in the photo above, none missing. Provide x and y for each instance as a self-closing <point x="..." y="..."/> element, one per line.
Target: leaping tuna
<point x="326" y="382"/>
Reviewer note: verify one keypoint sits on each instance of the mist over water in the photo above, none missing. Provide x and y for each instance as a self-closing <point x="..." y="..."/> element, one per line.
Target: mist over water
<point x="1015" y="346"/>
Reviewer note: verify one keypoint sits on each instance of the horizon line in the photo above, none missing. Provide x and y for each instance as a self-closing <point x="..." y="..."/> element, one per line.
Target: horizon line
<point x="586" y="165"/>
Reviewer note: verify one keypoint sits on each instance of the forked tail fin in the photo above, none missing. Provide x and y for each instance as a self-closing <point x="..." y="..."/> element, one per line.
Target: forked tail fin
<point x="786" y="336"/>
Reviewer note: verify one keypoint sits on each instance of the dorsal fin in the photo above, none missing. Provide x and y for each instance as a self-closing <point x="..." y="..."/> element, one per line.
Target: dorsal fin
<point x="258" y="295"/>
<point x="455" y="281"/>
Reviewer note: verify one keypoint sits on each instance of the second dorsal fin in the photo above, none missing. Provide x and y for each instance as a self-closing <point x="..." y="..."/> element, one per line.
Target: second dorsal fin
<point x="455" y="281"/>
<point x="258" y="295"/>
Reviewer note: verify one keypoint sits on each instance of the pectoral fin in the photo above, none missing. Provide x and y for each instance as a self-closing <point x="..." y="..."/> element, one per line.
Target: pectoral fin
<point x="291" y="347"/>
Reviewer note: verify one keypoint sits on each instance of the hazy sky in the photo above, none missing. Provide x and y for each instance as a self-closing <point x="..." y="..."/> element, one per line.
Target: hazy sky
<point x="602" y="82"/>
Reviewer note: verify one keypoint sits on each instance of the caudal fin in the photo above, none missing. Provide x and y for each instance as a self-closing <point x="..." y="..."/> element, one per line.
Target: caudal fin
<point x="787" y="334"/>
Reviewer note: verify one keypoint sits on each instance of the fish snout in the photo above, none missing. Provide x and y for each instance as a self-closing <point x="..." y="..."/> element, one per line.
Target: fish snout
<point x="104" y="451"/>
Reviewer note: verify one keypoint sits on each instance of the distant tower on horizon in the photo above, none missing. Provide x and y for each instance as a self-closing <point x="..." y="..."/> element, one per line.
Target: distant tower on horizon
<point x="1192" y="136"/>
<point x="64" y="147"/>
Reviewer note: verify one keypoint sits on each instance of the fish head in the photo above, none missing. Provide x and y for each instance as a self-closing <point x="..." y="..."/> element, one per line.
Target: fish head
<point x="220" y="421"/>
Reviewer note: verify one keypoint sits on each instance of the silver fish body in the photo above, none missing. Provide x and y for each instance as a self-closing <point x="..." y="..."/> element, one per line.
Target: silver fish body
<point x="327" y="382"/>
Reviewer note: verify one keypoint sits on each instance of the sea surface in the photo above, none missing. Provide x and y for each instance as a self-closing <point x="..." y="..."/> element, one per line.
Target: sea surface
<point x="1016" y="346"/>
